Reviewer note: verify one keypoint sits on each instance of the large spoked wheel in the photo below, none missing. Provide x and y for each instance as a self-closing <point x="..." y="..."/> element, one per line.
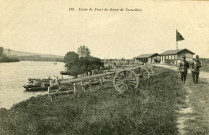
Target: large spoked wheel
<point x="125" y="80"/>
<point x="151" y="70"/>
<point x="143" y="72"/>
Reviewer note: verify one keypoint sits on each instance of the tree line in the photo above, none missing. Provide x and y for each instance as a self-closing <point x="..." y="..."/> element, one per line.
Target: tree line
<point x="4" y="58"/>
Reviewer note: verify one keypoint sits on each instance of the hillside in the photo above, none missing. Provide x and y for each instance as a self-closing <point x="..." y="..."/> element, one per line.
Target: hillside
<point x="30" y="56"/>
<point x="10" y="52"/>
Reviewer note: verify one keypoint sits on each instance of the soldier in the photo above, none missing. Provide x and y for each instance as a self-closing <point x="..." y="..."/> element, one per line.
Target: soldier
<point x="183" y="67"/>
<point x="196" y="65"/>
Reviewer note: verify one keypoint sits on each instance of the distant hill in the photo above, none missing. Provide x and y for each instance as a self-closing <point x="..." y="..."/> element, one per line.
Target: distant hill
<point x="30" y="56"/>
<point x="10" y="52"/>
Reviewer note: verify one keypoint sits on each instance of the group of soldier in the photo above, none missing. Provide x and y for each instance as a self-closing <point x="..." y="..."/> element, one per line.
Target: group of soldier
<point x="184" y="66"/>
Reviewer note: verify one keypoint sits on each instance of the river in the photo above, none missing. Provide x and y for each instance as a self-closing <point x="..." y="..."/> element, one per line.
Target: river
<point x="14" y="75"/>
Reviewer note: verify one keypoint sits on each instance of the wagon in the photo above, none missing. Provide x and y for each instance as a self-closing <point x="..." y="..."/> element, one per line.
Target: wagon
<point x="123" y="79"/>
<point x="129" y="78"/>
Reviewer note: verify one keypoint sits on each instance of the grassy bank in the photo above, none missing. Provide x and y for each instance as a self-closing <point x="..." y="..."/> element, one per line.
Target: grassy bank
<point x="205" y="64"/>
<point x="199" y="98"/>
<point x="103" y="111"/>
<point x="205" y="68"/>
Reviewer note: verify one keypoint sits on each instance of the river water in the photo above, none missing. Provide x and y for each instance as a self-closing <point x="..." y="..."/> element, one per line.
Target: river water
<point x="14" y="75"/>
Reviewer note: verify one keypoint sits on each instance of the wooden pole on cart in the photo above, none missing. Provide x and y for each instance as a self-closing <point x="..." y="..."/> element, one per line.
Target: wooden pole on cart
<point x="74" y="90"/>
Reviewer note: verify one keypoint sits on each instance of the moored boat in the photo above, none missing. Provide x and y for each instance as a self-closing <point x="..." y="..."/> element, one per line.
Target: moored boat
<point x="39" y="84"/>
<point x="63" y="73"/>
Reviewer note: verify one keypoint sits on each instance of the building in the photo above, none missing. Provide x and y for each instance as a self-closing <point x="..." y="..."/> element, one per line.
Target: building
<point x="172" y="55"/>
<point x="150" y="58"/>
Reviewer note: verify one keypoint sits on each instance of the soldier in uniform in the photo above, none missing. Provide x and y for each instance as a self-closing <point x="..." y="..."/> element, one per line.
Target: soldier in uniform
<point x="183" y="68"/>
<point x="196" y="65"/>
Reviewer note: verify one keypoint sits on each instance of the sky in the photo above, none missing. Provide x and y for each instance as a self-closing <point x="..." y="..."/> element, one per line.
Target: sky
<point x="49" y="27"/>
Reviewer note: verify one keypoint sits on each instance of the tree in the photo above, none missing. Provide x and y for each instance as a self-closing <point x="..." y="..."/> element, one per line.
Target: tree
<point x="83" y="51"/>
<point x="70" y="59"/>
<point x="1" y="51"/>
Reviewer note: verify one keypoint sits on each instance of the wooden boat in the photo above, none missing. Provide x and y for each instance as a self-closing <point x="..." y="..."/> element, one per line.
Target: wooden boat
<point x="44" y="79"/>
<point x="38" y="84"/>
<point x="63" y="72"/>
<point x="37" y="88"/>
<point x="39" y="79"/>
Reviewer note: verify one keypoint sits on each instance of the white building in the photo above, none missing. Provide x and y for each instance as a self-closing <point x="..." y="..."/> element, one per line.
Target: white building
<point x="150" y="58"/>
<point x="173" y="55"/>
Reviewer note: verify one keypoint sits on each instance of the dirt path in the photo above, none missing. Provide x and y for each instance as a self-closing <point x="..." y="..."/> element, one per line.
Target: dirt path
<point x="204" y="75"/>
<point x="193" y="115"/>
<point x="185" y="112"/>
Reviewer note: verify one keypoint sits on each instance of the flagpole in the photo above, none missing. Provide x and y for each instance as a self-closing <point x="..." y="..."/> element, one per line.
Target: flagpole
<point x="176" y="50"/>
<point x="179" y="37"/>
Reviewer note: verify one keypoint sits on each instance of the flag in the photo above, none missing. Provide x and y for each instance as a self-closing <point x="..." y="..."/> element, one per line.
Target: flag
<point x="179" y="37"/>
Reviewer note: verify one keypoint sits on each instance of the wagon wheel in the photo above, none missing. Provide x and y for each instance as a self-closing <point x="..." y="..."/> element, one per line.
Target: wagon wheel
<point x="151" y="70"/>
<point x="144" y="74"/>
<point x="125" y="80"/>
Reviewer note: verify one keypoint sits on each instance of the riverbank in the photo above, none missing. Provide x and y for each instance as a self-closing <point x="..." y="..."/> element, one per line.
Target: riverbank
<point x="101" y="110"/>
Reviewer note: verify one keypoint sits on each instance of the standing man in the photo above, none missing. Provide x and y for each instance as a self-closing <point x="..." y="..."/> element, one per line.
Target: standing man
<point x="183" y="68"/>
<point x="196" y="65"/>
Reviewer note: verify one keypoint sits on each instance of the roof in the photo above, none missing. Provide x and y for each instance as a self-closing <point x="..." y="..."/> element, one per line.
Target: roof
<point x="172" y="52"/>
<point x="146" y="55"/>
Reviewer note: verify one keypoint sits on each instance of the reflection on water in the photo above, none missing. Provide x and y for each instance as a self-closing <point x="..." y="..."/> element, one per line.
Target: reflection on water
<point x="14" y="75"/>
